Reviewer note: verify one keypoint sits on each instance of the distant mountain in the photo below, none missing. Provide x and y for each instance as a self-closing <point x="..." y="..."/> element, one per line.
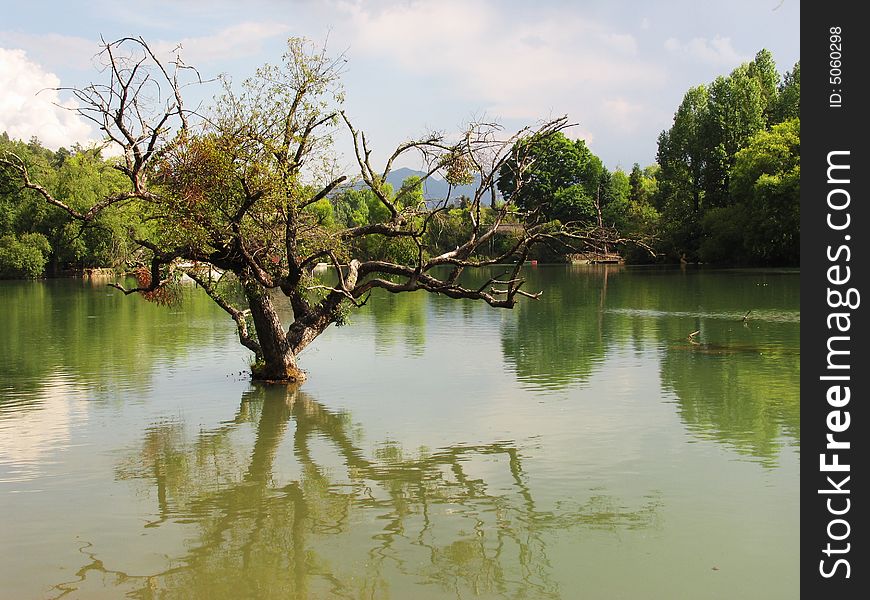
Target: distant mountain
<point x="434" y="188"/>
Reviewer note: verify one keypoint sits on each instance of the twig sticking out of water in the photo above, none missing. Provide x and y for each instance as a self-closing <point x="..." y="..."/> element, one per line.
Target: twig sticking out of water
<point x="746" y="315"/>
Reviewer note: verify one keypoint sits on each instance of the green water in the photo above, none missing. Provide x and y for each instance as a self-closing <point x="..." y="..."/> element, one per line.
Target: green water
<point x="579" y="446"/>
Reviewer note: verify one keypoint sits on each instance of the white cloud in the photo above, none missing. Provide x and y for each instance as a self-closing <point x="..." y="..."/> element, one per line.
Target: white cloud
<point x="716" y="52"/>
<point x="238" y="41"/>
<point x="517" y="68"/>
<point x="622" y="42"/>
<point x="30" y="106"/>
<point x="625" y="116"/>
<point x="242" y="40"/>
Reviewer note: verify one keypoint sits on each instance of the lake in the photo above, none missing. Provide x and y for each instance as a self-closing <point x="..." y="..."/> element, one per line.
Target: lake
<point x="579" y="446"/>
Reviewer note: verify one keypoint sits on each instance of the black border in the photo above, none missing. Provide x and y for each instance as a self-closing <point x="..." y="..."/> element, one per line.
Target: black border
<point x="825" y="129"/>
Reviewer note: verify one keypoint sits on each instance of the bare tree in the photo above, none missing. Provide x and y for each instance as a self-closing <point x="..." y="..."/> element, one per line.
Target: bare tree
<point x="229" y="197"/>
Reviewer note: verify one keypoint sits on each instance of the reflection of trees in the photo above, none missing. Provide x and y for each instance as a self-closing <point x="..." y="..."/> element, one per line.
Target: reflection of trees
<point x="559" y="339"/>
<point x="346" y="525"/>
<point x="739" y="384"/>
<point x="399" y="317"/>
<point x="90" y="335"/>
<point x="745" y="395"/>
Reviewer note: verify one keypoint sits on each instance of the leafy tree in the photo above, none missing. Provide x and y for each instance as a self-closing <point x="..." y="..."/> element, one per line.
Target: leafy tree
<point x="723" y="230"/>
<point x="632" y="212"/>
<point x="697" y="156"/>
<point x="766" y="179"/>
<point x="788" y="104"/>
<point x="615" y="209"/>
<point x="763" y="70"/>
<point x="560" y="180"/>
<point x="236" y="200"/>
<point x="682" y="152"/>
<point x="24" y="250"/>
<point x="83" y="179"/>
<point x="636" y="191"/>
<point x="79" y="178"/>
<point x="23" y="256"/>
<point x="351" y="207"/>
<point x="736" y="110"/>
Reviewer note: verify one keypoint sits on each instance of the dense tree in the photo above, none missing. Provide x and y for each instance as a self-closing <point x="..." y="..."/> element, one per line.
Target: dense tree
<point x="682" y="152"/>
<point x="736" y="110"/>
<point x="766" y="180"/>
<point x="703" y="218"/>
<point x="79" y="178"/>
<point x="615" y="201"/>
<point x="239" y="200"/>
<point x="23" y="256"/>
<point x="763" y="70"/>
<point x="561" y="181"/>
<point x="636" y="192"/>
<point x="24" y="251"/>
<point x="788" y="105"/>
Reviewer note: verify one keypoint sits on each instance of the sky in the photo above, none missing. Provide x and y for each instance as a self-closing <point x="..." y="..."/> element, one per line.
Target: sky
<point x="617" y="68"/>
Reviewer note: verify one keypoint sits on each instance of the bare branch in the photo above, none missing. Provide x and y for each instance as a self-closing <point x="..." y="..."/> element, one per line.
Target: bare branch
<point x="239" y="316"/>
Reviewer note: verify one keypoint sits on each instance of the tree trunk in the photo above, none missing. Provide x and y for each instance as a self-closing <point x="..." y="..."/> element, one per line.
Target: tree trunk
<point x="278" y="362"/>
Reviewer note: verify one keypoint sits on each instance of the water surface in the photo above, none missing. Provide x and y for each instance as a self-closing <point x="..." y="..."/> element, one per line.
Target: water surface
<point x="579" y="446"/>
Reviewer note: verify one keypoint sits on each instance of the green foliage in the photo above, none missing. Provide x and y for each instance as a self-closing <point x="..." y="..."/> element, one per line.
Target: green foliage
<point x="615" y="211"/>
<point x="78" y="178"/>
<point x="573" y="203"/>
<point x="635" y="191"/>
<point x="323" y="212"/>
<point x="763" y="224"/>
<point x="23" y="256"/>
<point x="411" y="193"/>
<point x="561" y="179"/>
<point x="620" y="186"/>
<point x="788" y="105"/>
<point x="641" y="218"/>
<point x="83" y="180"/>
<point x="351" y="207"/>
<point x="449" y="229"/>
<point x="355" y="208"/>
<point x="736" y="110"/>
<point x="766" y="180"/>
<point x="401" y="250"/>
<point x="682" y="153"/>
<point x="723" y="228"/>
<point x="763" y="70"/>
<point x="706" y="214"/>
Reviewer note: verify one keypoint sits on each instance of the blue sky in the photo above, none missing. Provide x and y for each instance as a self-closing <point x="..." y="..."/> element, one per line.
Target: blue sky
<point x="618" y="69"/>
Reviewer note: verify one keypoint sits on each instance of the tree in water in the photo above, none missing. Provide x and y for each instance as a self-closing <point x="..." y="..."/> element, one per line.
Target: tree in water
<point x="237" y="197"/>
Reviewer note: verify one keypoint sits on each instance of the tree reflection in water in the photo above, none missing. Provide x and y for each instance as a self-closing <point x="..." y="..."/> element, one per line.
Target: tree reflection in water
<point x="386" y="527"/>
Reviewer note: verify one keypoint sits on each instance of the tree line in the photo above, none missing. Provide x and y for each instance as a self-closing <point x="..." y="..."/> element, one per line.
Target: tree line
<point x="724" y="189"/>
<point x="37" y="239"/>
<point x="729" y="169"/>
